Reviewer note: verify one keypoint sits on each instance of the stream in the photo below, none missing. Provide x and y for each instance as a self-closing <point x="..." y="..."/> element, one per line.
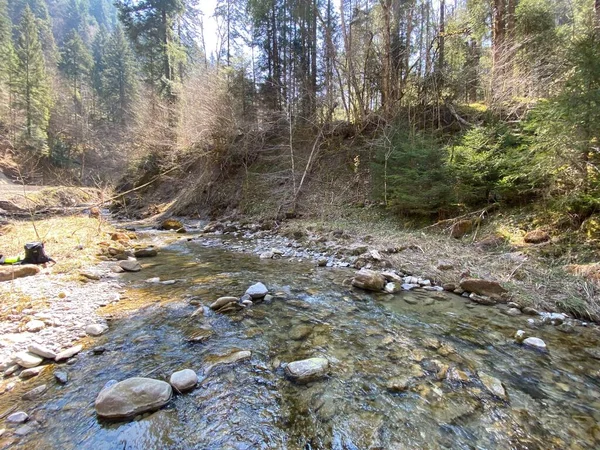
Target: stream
<point x="434" y="340"/>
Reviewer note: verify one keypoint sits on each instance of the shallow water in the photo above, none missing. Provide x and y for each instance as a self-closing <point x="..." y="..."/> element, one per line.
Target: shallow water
<point x="554" y="398"/>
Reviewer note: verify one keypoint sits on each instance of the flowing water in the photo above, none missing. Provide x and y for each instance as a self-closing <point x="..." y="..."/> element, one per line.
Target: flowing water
<point x="553" y="399"/>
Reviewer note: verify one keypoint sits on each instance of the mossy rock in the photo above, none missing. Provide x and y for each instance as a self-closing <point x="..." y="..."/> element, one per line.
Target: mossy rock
<point x="172" y="224"/>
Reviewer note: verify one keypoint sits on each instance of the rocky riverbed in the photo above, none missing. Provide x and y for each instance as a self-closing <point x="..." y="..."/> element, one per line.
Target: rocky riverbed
<point x="303" y="360"/>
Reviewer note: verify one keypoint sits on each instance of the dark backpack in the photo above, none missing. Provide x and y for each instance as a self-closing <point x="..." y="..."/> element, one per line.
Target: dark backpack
<point x="35" y="254"/>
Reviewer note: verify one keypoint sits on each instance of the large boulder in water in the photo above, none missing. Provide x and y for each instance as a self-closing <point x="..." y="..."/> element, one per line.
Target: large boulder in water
<point x="131" y="397"/>
<point x="369" y="280"/>
<point x="257" y="291"/>
<point x="307" y="369"/>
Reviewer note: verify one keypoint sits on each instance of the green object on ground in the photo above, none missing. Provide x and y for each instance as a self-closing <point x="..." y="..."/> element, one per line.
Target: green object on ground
<point x="13" y="260"/>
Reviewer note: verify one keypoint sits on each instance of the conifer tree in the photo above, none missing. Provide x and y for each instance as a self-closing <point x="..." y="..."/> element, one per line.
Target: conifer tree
<point x="118" y="77"/>
<point x="76" y="62"/>
<point x="30" y="82"/>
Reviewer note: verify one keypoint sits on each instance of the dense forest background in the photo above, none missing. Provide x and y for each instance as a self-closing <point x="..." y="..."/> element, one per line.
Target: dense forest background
<point x="427" y="107"/>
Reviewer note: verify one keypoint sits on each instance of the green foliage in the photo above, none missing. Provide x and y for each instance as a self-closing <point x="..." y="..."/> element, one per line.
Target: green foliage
<point x="76" y="61"/>
<point x="30" y="83"/>
<point x="410" y="172"/>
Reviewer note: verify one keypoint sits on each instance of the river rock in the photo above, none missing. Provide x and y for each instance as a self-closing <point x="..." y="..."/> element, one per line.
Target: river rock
<point x="392" y="288"/>
<point x="18" y="417"/>
<point x="9" y="272"/>
<point x="130" y="265"/>
<point x="35" y="392"/>
<point x="369" y="280"/>
<point x="482" y="287"/>
<point x="322" y="262"/>
<point x="33" y="326"/>
<point x="409" y="286"/>
<point x="172" y="224"/>
<point x="228" y="359"/>
<point x="398" y="384"/>
<point x="40" y="350"/>
<point x="513" y="312"/>
<point x="61" y="376"/>
<point x="530" y="311"/>
<point x="183" y="380"/>
<point x="145" y="252"/>
<point x="222" y="301"/>
<point x="131" y="397"/>
<point x="536" y="237"/>
<point x="534" y="342"/>
<point x="257" y="291"/>
<point x="23" y="430"/>
<point x="96" y="329"/>
<point x="519" y="336"/>
<point x="392" y="277"/>
<point x="27" y="360"/>
<point x="266" y="255"/>
<point x="307" y="369"/>
<point x="30" y="373"/>
<point x="482" y="300"/>
<point x="68" y="353"/>
<point x="494" y="385"/>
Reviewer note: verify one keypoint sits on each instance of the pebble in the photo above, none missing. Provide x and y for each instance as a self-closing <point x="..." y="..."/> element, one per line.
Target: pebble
<point x="61" y="376"/>
<point x="535" y="343"/>
<point x="30" y="373"/>
<point x="33" y="326"/>
<point x="23" y="430"/>
<point x="18" y="417"/>
<point x="96" y="329"/>
<point x="183" y="380"/>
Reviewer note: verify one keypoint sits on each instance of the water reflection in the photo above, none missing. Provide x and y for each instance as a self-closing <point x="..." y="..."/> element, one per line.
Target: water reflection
<point x="553" y="399"/>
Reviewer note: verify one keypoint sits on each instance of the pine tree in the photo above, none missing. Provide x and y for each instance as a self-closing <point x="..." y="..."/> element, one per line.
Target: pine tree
<point x="30" y="82"/>
<point x="76" y="62"/>
<point x="7" y="64"/>
<point x="118" y="77"/>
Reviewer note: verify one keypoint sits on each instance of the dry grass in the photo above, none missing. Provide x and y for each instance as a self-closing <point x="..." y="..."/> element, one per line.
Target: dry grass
<point x="71" y="240"/>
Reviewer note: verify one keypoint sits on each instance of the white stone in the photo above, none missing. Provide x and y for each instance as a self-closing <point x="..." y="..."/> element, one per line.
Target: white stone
<point x="183" y="380"/>
<point x="18" y="417"/>
<point x="96" y="329"/>
<point x="27" y="360"/>
<point x="34" y="326"/>
<point x="535" y="343"/>
<point x="307" y="369"/>
<point x="257" y="291"/>
<point x="68" y="353"/>
<point x="40" y="350"/>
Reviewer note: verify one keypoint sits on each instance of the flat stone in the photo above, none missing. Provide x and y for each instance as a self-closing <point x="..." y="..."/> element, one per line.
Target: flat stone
<point x="68" y="353"/>
<point x="96" y="329"/>
<point x="35" y="392"/>
<point x="33" y="372"/>
<point x="131" y="397"/>
<point x="494" y="385"/>
<point x="33" y="326"/>
<point x="409" y="286"/>
<point x="130" y="266"/>
<point x="482" y="300"/>
<point x="183" y="380"/>
<point x="9" y="272"/>
<point x="411" y="300"/>
<point x="534" y="342"/>
<point x="40" y="350"/>
<point x="513" y="312"/>
<point x="27" y="360"/>
<point x="307" y="369"/>
<point x="228" y="359"/>
<point x="222" y="301"/>
<point x="257" y="291"/>
<point x="18" y="417"/>
<point x="23" y="430"/>
<point x="482" y="287"/>
<point x="145" y="252"/>
<point x="392" y="277"/>
<point x="530" y="311"/>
